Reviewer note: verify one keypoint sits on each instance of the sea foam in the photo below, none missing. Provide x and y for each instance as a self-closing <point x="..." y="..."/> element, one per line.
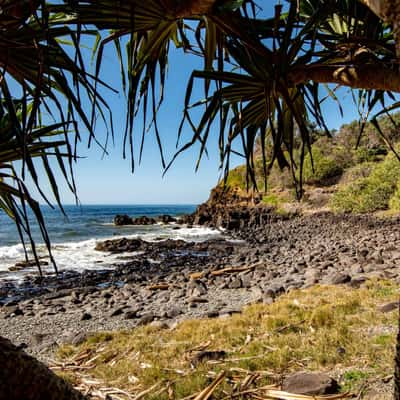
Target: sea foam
<point x="81" y="255"/>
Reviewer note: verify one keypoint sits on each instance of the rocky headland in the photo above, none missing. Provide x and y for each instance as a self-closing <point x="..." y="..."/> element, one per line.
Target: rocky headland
<point x="261" y="256"/>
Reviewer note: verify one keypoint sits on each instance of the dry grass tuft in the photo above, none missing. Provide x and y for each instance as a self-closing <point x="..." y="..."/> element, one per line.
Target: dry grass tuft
<point x="329" y="328"/>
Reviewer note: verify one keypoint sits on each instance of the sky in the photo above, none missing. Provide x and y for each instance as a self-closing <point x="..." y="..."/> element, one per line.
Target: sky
<point x="108" y="180"/>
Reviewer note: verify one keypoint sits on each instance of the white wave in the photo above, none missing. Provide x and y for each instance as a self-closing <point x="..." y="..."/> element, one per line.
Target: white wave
<point x="82" y="255"/>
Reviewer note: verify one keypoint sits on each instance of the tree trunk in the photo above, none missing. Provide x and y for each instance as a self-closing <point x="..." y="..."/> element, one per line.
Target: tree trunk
<point x="22" y="377"/>
<point x="389" y="11"/>
<point x="367" y="76"/>
<point x="190" y="8"/>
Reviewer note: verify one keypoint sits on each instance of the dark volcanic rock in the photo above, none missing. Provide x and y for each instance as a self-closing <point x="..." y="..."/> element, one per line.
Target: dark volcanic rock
<point x="143" y="220"/>
<point x="120" y="220"/>
<point x="203" y="356"/>
<point x="119" y="245"/>
<point x="166" y="219"/>
<point x="312" y="384"/>
<point x="86" y="316"/>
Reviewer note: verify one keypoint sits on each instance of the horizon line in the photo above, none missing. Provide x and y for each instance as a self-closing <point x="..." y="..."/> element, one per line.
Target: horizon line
<point x="121" y="204"/>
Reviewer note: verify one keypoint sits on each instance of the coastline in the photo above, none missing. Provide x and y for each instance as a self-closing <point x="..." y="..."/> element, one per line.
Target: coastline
<point x="206" y="280"/>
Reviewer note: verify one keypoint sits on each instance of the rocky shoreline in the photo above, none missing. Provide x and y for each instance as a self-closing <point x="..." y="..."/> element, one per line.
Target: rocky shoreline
<point x="168" y="281"/>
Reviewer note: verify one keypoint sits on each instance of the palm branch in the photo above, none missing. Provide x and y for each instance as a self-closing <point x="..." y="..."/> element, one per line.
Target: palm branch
<point x="41" y="97"/>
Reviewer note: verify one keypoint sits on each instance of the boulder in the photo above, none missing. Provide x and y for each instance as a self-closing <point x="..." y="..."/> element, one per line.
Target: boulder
<point x="120" y="220"/>
<point x="312" y="384"/>
<point x="143" y="220"/>
<point x="166" y="219"/>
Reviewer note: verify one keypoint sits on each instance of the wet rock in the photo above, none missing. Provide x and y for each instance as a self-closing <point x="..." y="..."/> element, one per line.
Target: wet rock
<point x="143" y="220"/>
<point x="166" y="219"/>
<point x="120" y="220"/>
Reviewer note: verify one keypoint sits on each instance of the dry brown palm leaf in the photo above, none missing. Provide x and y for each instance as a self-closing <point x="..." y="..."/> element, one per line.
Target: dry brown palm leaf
<point x="281" y="395"/>
<point x="206" y="393"/>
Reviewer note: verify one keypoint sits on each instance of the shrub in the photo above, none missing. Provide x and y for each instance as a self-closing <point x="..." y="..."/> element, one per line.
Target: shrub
<point x="237" y="178"/>
<point x="325" y="167"/>
<point x="370" y="193"/>
<point x="394" y="202"/>
<point x="356" y="172"/>
<point x="363" y="154"/>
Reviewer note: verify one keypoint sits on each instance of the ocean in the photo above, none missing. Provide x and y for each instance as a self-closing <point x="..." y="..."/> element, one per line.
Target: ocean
<point x="74" y="238"/>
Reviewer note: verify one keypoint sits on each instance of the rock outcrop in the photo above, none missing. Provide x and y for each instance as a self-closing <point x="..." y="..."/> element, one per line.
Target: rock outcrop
<point x="232" y="210"/>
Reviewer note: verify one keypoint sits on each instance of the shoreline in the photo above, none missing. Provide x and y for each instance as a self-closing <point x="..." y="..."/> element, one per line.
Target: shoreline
<point x="175" y="280"/>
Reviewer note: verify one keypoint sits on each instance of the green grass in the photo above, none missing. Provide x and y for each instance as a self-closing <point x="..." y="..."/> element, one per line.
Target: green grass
<point x="354" y="378"/>
<point x="301" y="331"/>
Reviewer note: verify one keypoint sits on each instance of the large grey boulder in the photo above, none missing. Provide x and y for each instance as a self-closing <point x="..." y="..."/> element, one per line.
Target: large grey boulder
<point x="309" y="383"/>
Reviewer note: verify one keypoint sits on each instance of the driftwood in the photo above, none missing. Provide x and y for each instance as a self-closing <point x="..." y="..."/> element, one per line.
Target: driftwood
<point x="231" y="270"/>
<point x="159" y="286"/>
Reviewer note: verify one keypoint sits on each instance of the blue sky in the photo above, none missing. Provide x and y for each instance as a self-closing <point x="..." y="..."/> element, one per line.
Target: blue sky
<point x="109" y="180"/>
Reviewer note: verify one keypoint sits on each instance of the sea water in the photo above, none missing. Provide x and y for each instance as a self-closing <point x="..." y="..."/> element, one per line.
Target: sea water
<point x="74" y="236"/>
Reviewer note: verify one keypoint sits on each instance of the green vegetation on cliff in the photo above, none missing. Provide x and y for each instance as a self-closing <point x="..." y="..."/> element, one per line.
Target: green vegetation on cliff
<point x="370" y="193"/>
<point x="363" y="178"/>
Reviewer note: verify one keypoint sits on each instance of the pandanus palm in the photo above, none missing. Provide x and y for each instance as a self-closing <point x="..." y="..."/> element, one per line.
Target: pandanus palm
<point x="40" y="101"/>
<point x="262" y="77"/>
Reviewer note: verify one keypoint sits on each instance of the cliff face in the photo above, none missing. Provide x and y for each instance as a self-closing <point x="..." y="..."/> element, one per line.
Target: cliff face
<point x="232" y="209"/>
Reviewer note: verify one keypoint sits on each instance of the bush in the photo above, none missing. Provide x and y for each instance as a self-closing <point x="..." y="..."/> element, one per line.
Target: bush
<point x="325" y="167"/>
<point x="394" y="202"/>
<point x="363" y="154"/>
<point x="237" y="178"/>
<point x="371" y="193"/>
<point x="362" y="170"/>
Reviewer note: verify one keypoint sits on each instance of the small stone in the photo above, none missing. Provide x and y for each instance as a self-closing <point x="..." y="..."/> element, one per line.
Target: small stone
<point x="173" y="312"/>
<point x="267" y="300"/>
<point x="389" y="307"/>
<point x="213" y="314"/>
<point x="337" y="279"/>
<point x="357" y="281"/>
<point x="198" y="288"/>
<point x="13" y="312"/>
<point x="159" y="325"/>
<point x="86" y="316"/>
<point x="236" y="283"/>
<point x="117" y="311"/>
<point x="203" y="356"/>
<point x="130" y="314"/>
<point x="194" y="299"/>
<point x="146" y="319"/>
